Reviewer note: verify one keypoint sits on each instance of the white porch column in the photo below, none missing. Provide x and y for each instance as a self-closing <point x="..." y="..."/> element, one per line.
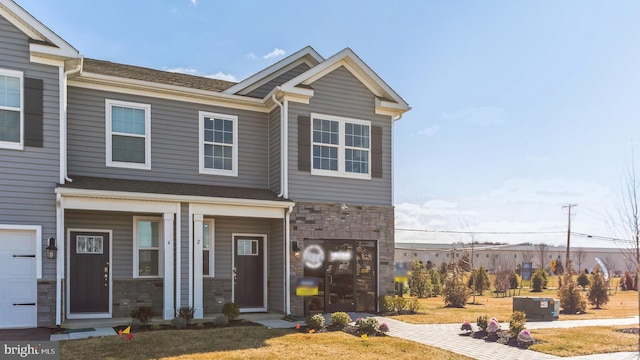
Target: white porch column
<point x="169" y="309"/>
<point x="197" y="266"/>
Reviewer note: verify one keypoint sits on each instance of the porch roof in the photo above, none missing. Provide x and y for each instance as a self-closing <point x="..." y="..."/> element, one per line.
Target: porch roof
<point x="170" y="188"/>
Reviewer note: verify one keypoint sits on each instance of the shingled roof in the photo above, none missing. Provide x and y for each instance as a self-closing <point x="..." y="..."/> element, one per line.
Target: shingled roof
<point x="169" y="188"/>
<point x="145" y="74"/>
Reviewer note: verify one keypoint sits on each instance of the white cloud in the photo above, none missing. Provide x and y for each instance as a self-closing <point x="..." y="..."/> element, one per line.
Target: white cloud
<point x="274" y="54"/>
<point x="483" y="115"/>
<point x="181" y="70"/>
<point x="222" y="76"/>
<point x="251" y="56"/>
<point x="431" y="130"/>
<point x="194" y="2"/>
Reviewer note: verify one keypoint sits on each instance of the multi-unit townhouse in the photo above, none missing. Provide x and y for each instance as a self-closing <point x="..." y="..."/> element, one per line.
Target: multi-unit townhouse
<point x="123" y="186"/>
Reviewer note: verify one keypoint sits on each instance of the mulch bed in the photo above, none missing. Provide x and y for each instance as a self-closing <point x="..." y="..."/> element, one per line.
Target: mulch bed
<point x="629" y="330"/>
<point x="500" y="337"/>
<point x="198" y="326"/>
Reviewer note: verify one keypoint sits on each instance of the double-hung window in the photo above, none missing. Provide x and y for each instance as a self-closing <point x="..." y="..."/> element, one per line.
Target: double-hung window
<point x="128" y="133"/>
<point x="218" y="153"/>
<point x="340" y="146"/>
<point x="11" y="110"/>
<point x="147" y="247"/>
<point x="207" y="248"/>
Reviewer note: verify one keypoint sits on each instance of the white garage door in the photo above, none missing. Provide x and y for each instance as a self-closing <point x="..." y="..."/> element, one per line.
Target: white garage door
<point x="18" y="287"/>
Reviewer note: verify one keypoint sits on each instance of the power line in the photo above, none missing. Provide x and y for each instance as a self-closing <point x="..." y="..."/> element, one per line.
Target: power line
<point x="483" y="232"/>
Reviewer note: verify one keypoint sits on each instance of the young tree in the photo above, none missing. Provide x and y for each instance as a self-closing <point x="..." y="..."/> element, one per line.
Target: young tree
<point x="579" y="256"/>
<point x="542" y="254"/>
<point x="455" y="293"/>
<point x="435" y="282"/>
<point x="571" y="299"/>
<point x="465" y="262"/>
<point x="481" y="279"/>
<point x="420" y="281"/>
<point x="583" y="280"/>
<point x="598" y="292"/>
<point x="539" y="280"/>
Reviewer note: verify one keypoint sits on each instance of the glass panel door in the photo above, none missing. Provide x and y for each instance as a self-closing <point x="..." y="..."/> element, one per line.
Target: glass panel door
<point x="366" y="276"/>
<point x="340" y="276"/>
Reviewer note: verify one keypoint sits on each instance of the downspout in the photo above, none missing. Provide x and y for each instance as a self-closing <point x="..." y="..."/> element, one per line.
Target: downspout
<point x="63" y="121"/>
<point x="287" y="258"/>
<point x="282" y="166"/>
<point x="284" y="141"/>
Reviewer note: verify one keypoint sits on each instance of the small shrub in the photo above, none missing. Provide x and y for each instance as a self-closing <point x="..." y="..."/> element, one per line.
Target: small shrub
<point x="539" y="280"/>
<point x="517" y="322"/>
<point x="387" y="304"/>
<point x="412" y="305"/>
<point x="466" y="326"/>
<point x="339" y="319"/>
<point x="482" y="322"/>
<point x="231" y="310"/>
<point x="599" y="291"/>
<point x="493" y="326"/>
<point x="156" y="327"/>
<point x="436" y="283"/>
<point x="369" y="326"/>
<point x="524" y="338"/>
<point x="143" y="314"/>
<point x="400" y="303"/>
<point x="315" y="322"/>
<point x="481" y="279"/>
<point x="420" y="280"/>
<point x="514" y="282"/>
<point x="200" y="325"/>
<point x="384" y="327"/>
<point x="179" y="323"/>
<point x="186" y="313"/>
<point x="455" y="292"/>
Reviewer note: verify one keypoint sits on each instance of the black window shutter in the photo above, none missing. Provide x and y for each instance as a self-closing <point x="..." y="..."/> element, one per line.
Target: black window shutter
<point x="376" y="151"/>
<point x="33" y="98"/>
<point x="304" y="143"/>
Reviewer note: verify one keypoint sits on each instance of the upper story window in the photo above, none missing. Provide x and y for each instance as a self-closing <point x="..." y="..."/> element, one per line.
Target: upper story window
<point x="128" y="134"/>
<point x="11" y="110"/>
<point x="218" y="153"/>
<point x="340" y="146"/>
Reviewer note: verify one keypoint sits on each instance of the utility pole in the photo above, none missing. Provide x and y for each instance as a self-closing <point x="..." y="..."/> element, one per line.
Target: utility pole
<point x="567" y="265"/>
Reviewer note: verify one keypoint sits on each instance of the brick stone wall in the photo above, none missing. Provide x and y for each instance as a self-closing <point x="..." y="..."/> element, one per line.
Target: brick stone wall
<point x="46" y="303"/>
<point x="129" y="294"/>
<point x="216" y="292"/>
<point x="356" y="222"/>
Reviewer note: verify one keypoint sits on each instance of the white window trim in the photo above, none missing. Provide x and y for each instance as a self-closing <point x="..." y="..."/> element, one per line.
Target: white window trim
<point x="341" y="172"/>
<point x="9" y="144"/>
<point x="136" y="247"/>
<point x="109" y="135"/>
<point x="201" y="143"/>
<point x="212" y="247"/>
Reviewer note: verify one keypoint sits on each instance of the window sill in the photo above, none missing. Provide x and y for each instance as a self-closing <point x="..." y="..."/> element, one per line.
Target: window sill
<point x="337" y="174"/>
<point x="125" y="165"/>
<point x="11" y="145"/>
<point x="218" y="172"/>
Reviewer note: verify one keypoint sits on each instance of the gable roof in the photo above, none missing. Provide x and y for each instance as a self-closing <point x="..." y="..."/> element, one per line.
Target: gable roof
<point x="387" y="100"/>
<point x="108" y="68"/>
<point x="43" y="40"/>
<point x="305" y="55"/>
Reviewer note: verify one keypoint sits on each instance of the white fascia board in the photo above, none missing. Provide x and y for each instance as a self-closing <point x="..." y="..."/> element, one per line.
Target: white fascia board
<point x="53" y="51"/>
<point x="356" y="66"/>
<point x="384" y="107"/>
<point x="33" y="28"/>
<point x="299" y="95"/>
<point x="307" y="51"/>
<point x="70" y="192"/>
<point x="164" y="91"/>
<point x="277" y="73"/>
<point x="44" y="60"/>
<point x="239" y="211"/>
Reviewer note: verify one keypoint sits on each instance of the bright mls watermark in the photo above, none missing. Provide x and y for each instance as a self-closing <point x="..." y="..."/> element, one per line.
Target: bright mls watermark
<point x="29" y="350"/>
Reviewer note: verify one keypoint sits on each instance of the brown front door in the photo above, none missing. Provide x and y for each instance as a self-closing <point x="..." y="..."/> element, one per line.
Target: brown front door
<point x="249" y="272"/>
<point x="89" y="287"/>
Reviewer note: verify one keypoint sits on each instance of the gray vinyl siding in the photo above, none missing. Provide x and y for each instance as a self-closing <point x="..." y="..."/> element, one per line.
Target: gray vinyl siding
<point x="224" y="228"/>
<point x="276" y="266"/>
<point x="339" y="93"/>
<point x="274" y="150"/>
<point x="28" y="177"/>
<point x="184" y="254"/>
<point x="174" y="141"/>
<point x="121" y="224"/>
<point x="263" y="90"/>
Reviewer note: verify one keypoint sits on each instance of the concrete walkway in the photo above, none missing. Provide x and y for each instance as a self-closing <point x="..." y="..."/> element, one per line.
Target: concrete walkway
<point x="447" y="337"/>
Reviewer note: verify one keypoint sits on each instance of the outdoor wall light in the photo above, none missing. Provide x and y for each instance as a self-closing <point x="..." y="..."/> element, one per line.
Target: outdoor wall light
<point x="52" y="249"/>
<point x="296" y="250"/>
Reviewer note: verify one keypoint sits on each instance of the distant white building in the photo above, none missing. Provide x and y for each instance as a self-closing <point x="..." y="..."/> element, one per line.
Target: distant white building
<point x="498" y="257"/>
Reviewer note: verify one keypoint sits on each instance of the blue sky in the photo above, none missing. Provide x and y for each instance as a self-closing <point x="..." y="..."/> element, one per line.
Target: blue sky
<point x="518" y="107"/>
